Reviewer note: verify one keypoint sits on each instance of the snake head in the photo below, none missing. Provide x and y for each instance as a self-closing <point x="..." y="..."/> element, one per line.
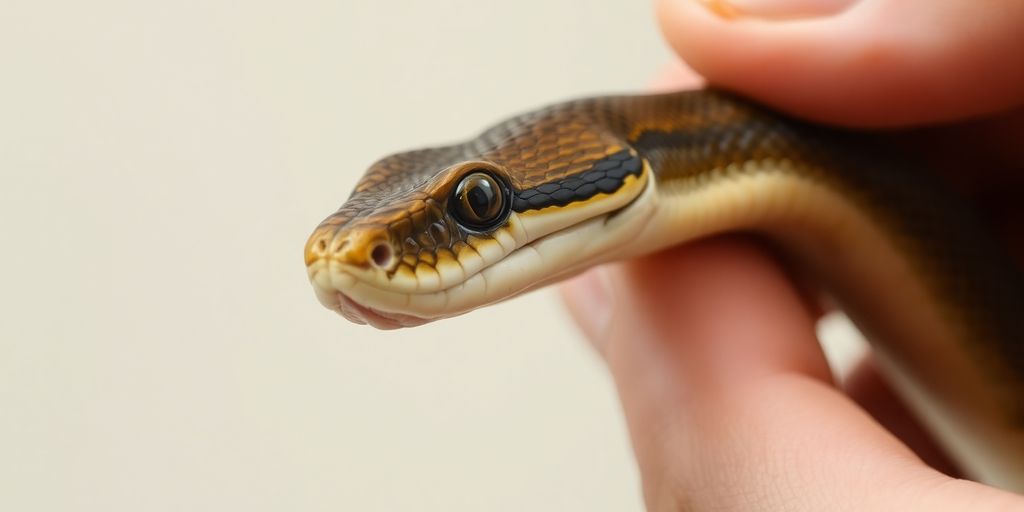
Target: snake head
<point x="435" y="233"/>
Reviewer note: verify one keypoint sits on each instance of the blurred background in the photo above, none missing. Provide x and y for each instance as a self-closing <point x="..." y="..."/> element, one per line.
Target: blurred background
<point x="161" y="165"/>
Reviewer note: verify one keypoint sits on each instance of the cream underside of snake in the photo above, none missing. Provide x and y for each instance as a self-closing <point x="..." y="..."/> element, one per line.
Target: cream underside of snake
<point x="813" y="223"/>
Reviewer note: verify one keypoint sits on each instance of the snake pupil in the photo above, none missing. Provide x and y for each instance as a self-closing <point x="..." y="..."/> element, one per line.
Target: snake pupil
<point x="479" y="201"/>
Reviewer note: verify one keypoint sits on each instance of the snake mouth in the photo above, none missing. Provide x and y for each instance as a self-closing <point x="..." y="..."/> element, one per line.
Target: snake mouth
<point x="379" y="319"/>
<point x="358" y="313"/>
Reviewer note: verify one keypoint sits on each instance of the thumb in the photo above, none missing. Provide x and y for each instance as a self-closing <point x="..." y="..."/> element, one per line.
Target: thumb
<point x="857" y="62"/>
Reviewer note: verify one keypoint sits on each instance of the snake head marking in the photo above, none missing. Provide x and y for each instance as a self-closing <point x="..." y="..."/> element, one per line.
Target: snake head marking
<point x="433" y="233"/>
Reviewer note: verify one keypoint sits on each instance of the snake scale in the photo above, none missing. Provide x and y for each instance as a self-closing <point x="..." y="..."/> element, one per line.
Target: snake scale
<point x="438" y="232"/>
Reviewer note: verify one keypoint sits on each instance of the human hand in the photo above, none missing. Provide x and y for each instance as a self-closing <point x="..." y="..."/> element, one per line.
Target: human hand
<point x="730" y="415"/>
<point x="729" y="401"/>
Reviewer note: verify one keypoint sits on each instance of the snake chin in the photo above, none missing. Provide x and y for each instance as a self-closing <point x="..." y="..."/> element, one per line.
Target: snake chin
<point x="360" y="314"/>
<point x="379" y="319"/>
<point x="334" y="299"/>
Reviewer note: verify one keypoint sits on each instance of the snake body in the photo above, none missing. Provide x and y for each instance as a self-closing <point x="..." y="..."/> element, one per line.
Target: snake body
<point x="438" y="232"/>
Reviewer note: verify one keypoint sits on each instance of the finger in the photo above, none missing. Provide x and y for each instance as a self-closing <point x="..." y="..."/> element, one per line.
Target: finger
<point x="865" y="63"/>
<point x="714" y="355"/>
<point x="869" y="389"/>
<point x="727" y="395"/>
<point x="688" y="292"/>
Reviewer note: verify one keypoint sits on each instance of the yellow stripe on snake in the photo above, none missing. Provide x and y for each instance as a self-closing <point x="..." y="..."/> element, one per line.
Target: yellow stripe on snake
<point x="437" y="232"/>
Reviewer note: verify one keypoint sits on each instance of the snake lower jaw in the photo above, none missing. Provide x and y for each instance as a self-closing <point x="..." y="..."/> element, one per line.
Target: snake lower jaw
<point x="355" y="312"/>
<point x="351" y="309"/>
<point x="331" y="285"/>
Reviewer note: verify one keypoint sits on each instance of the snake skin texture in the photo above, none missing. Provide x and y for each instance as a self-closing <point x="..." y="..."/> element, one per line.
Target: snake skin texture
<point x="571" y="153"/>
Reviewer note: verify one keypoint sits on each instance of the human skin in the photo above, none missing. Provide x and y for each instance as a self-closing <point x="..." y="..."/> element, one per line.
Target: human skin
<point x="728" y="415"/>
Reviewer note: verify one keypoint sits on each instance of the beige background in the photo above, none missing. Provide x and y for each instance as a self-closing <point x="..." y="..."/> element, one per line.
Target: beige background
<point x="160" y="348"/>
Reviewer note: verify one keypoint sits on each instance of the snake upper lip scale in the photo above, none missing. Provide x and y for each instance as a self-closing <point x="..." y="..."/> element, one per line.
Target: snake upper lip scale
<point x="437" y="232"/>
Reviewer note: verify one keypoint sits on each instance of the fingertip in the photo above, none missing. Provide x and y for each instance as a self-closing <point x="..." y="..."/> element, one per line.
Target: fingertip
<point x="800" y="66"/>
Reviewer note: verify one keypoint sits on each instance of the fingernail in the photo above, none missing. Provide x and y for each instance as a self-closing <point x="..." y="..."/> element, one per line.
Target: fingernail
<point x="590" y="304"/>
<point x="776" y="9"/>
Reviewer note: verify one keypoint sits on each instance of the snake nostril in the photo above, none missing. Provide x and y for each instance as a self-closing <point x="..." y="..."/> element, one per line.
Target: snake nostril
<point x="318" y="246"/>
<point x="381" y="255"/>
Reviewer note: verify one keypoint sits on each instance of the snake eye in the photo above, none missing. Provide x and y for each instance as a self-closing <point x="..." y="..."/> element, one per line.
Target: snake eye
<point x="480" y="201"/>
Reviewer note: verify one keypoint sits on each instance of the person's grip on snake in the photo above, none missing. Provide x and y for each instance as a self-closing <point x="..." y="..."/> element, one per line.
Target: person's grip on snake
<point x="729" y="402"/>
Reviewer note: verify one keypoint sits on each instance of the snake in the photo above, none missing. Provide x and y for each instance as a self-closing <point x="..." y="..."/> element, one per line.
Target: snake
<point x="436" y="232"/>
